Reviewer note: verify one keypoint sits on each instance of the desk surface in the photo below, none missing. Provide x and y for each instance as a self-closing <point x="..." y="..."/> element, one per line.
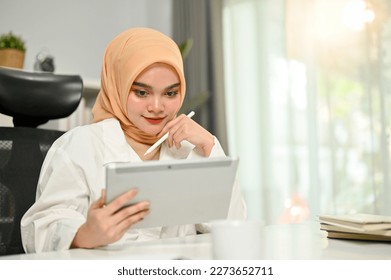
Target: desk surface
<point x="282" y="242"/>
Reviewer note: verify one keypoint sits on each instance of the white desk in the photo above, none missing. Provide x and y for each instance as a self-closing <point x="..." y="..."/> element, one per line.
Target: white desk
<point x="285" y="242"/>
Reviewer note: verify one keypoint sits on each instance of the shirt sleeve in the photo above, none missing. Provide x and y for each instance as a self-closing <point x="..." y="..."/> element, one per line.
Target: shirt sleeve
<point x="61" y="205"/>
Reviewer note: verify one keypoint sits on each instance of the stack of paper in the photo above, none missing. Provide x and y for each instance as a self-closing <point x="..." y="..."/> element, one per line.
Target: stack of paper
<point x="357" y="226"/>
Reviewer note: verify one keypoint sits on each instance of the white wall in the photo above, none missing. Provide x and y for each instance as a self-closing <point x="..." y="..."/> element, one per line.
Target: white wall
<point x="76" y="32"/>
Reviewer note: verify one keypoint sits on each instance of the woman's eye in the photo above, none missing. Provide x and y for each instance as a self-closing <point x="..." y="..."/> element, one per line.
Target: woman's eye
<point x="141" y="93"/>
<point x="171" y="93"/>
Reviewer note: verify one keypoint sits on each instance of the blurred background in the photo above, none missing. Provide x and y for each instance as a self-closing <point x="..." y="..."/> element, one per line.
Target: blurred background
<point x="298" y="89"/>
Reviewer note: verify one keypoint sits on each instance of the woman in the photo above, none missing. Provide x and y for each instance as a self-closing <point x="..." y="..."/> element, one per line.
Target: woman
<point x="142" y="89"/>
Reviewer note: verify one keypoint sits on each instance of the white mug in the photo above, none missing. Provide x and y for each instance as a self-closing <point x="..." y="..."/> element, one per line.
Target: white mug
<point x="237" y="240"/>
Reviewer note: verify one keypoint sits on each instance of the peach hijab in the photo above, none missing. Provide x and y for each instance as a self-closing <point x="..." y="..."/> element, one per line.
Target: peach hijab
<point x="126" y="56"/>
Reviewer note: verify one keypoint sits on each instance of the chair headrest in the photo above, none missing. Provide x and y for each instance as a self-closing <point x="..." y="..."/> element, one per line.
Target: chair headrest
<point x="39" y="95"/>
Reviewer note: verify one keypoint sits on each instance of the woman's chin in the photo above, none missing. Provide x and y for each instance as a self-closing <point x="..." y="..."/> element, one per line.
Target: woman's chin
<point x="152" y="132"/>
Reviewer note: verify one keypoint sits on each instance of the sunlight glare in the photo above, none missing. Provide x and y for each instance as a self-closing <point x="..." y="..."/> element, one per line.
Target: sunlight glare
<point x="357" y="14"/>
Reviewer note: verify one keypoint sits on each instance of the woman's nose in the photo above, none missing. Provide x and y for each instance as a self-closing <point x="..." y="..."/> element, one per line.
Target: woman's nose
<point x="156" y="104"/>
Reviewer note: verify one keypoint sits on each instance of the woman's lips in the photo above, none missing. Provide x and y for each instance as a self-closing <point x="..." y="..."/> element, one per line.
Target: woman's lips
<point x="154" y="120"/>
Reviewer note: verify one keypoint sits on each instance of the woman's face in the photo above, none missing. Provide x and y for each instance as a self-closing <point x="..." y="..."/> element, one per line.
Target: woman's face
<point x="154" y="98"/>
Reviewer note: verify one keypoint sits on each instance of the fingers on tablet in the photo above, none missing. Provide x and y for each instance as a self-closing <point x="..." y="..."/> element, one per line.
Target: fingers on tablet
<point x="120" y="201"/>
<point x="133" y="219"/>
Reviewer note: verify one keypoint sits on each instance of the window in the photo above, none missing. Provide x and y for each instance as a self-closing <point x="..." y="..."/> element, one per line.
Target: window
<point x="308" y="105"/>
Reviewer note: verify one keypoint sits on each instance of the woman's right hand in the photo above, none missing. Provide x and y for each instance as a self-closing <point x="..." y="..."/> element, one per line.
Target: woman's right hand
<point x="108" y="223"/>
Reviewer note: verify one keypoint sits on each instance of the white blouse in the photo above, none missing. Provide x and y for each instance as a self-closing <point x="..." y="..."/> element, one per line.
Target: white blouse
<point x="72" y="177"/>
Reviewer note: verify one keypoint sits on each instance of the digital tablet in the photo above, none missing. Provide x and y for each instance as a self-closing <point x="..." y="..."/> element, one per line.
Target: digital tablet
<point x="180" y="192"/>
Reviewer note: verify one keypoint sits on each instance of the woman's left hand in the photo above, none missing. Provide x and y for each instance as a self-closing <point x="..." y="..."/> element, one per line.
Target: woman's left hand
<point x="184" y="128"/>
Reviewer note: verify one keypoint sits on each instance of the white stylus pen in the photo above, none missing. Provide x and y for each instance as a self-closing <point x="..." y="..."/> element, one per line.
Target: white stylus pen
<point x="164" y="137"/>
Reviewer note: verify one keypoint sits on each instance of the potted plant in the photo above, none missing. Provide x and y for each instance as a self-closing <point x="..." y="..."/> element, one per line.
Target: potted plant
<point x="12" y="50"/>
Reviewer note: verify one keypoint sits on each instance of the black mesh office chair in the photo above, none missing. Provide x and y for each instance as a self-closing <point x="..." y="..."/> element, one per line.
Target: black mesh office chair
<point x="31" y="99"/>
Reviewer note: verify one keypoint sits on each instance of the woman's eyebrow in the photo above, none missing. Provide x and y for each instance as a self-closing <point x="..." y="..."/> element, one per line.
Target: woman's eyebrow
<point x="150" y="87"/>
<point x="173" y="86"/>
<point x="142" y="85"/>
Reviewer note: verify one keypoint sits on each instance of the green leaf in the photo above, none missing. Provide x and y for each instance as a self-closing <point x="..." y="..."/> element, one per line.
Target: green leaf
<point x="11" y="41"/>
<point x="185" y="47"/>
